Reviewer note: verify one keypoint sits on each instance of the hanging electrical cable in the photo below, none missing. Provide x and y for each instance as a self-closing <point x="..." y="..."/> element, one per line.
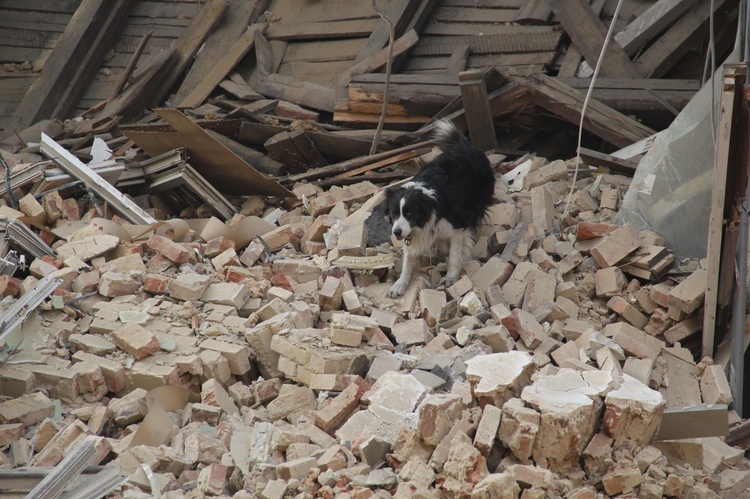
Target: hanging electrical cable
<point x="586" y="103"/>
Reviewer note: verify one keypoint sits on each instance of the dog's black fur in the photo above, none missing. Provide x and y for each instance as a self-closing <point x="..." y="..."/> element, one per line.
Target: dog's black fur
<point x="447" y="199"/>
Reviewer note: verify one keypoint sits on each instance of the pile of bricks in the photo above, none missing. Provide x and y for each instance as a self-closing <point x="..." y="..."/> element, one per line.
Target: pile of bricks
<point x="543" y="372"/>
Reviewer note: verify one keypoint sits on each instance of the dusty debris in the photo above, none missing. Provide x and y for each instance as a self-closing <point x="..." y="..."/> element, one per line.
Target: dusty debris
<point x="168" y="331"/>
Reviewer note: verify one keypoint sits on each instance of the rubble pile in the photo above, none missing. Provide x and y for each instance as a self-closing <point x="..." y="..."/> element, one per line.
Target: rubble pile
<point x="269" y="362"/>
<point x="194" y="266"/>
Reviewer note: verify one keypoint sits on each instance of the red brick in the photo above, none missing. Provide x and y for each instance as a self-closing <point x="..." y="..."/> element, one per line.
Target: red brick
<point x="175" y="252"/>
<point x="157" y="284"/>
<point x="9" y="286"/>
<point x="217" y="245"/>
<point x="70" y="209"/>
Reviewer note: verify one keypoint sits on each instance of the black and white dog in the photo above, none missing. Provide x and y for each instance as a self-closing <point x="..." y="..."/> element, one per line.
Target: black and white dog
<point x="444" y="202"/>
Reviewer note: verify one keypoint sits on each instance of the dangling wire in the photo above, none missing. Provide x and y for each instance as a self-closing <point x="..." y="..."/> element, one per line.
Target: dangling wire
<point x="586" y="103"/>
<point x="386" y="90"/>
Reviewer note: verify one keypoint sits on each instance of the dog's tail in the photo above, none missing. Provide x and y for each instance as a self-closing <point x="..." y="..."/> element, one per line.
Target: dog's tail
<point x="448" y="136"/>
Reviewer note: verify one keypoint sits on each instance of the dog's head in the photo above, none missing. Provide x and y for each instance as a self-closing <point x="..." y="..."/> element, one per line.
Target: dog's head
<point x="409" y="207"/>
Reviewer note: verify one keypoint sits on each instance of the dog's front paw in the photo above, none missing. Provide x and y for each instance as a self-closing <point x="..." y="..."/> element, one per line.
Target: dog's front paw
<point x="398" y="289"/>
<point x="449" y="281"/>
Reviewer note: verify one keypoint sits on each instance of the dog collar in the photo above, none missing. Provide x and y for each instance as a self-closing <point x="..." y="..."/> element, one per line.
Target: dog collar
<point x="407" y="241"/>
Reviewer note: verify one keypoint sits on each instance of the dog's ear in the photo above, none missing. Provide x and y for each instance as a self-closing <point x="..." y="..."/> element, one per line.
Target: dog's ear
<point x="385" y="204"/>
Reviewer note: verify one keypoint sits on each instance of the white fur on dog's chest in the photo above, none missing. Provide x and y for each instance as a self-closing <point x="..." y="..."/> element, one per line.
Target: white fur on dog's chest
<point x="424" y="239"/>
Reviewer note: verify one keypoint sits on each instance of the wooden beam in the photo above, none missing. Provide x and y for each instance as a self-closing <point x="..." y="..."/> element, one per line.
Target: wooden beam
<point x="400" y="12"/>
<point x="188" y="44"/>
<point x="588" y="33"/>
<point x="85" y="72"/>
<point x="720" y="218"/>
<point x="458" y="60"/>
<point x="135" y="97"/>
<point x="596" y="158"/>
<point x="332" y="145"/>
<point x="295" y="150"/>
<point x="535" y="12"/>
<point x="667" y="51"/>
<point x="478" y="114"/>
<point x="352" y="164"/>
<point x="321" y="30"/>
<point x="418" y="21"/>
<point x="377" y="60"/>
<point x="601" y="120"/>
<point x="650" y="23"/>
<point x="72" y="63"/>
<point x="222" y="67"/>
<point x="299" y="92"/>
<point x="239" y="15"/>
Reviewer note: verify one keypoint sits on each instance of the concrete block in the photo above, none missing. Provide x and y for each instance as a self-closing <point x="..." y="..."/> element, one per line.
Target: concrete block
<point x="412" y="332"/>
<point x="27" y="409"/>
<point x="238" y="356"/>
<point x="113" y="284"/>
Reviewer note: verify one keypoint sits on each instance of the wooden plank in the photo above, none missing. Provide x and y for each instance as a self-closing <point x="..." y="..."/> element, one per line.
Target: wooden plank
<point x="403" y="100"/>
<point x="59" y="6"/>
<point x="588" y="32"/>
<point x="188" y="44"/>
<point x="495" y="4"/>
<point x="417" y="23"/>
<point x="260" y="161"/>
<point x="376" y="165"/>
<point x="478" y="114"/>
<point x="295" y="150"/>
<point x="601" y="120"/>
<point x="536" y="59"/>
<point x="467" y="29"/>
<point x="477" y="15"/>
<point x="123" y="78"/>
<point x="635" y="84"/>
<point x="323" y="50"/>
<point x="296" y="11"/>
<point x="525" y="42"/>
<point x="134" y="98"/>
<point x="458" y="60"/>
<point x="72" y="63"/>
<point x="222" y="68"/>
<point x="332" y="145"/>
<point x="321" y="30"/>
<point x="239" y="15"/>
<point x="29" y="38"/>
<point x="220" y="166"/>
<point x="694" y="422"/>
<point x="166" y="10"/>
<point x="665" y="52"/>
<point x="649" y="24"/>
<point x="351" y="165"/>
<point x="596" y="158"/>
<point x="321" y="73"/>
<point x="400" y="13"/>
<point x="300" y="92"/>
<point x="718" y="219"/>
<point x="535" y="12"/>
<point x="570" y="62"/>
<point x="377" y="60"/>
